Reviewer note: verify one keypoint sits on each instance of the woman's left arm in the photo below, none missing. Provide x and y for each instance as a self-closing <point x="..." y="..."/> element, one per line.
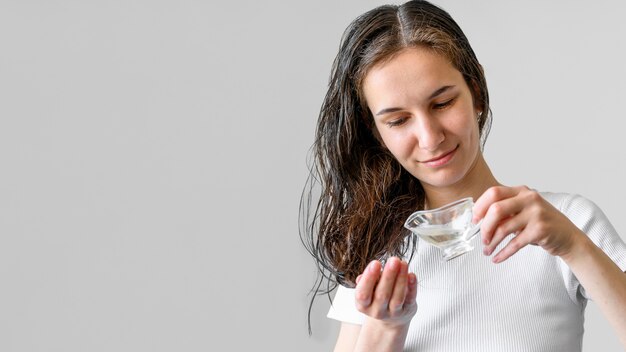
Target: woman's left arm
<point x="533" y="220"/>
<point x="602" y="279"/>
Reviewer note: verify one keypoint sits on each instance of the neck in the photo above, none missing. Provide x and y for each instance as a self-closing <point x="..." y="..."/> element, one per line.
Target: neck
<point x="477" y="180"/>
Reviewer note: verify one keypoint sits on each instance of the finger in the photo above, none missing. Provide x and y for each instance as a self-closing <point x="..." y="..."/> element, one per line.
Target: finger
<point x="492" y="195"/>
<point x="512" y="225"/>
<point x="498" y="212"/>
<point x="411" y="292"/>
<point x="518" y="242"/>
<point x="399" y="290"/>
<point x="365" y="287"/>
<point x="383" y="290"/>
<point x="358" y="278"/>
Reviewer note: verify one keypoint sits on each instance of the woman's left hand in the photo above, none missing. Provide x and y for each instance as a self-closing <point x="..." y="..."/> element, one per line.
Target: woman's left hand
<point x="522" y="212"/>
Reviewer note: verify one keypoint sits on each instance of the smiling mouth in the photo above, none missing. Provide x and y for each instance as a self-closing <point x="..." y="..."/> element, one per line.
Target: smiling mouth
<point x="442" y="159"/>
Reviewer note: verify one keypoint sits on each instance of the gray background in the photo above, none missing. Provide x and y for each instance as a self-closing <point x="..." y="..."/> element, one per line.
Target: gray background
<point x="152" y="155"/>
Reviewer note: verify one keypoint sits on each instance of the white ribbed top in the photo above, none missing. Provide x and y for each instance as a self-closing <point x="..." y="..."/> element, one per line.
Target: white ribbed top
<point x="530" y="302"/>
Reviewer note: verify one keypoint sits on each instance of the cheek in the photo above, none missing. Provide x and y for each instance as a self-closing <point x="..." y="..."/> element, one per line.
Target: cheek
<point x="473" y="139"/>
<point x="468" y="128"/>
<point x="475" y="132"/>
<point x="399" y="144"/>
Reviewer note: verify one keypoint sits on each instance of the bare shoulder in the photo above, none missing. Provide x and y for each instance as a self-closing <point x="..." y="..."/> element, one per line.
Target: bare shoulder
<point x="348" y="335"/>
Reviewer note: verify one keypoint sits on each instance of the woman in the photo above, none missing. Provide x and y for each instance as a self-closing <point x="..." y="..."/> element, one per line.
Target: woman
<point x="401" y="129"/>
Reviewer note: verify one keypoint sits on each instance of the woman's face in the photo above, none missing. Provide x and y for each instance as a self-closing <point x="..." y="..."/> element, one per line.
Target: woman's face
<point x="424" y="115"/>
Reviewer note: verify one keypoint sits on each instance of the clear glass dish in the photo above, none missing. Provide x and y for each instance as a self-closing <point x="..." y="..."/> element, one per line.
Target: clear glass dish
<point x="448" y="228"/>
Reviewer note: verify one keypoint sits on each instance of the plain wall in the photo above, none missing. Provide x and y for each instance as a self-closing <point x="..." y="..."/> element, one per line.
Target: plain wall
<point x="153" y="153"/>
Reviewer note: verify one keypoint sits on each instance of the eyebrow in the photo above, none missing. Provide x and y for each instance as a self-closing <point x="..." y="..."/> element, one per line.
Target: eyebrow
<point x="435" y="93"/>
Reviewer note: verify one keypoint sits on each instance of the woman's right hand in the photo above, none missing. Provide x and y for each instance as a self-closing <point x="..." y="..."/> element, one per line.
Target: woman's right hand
<point x="388" y="295"/>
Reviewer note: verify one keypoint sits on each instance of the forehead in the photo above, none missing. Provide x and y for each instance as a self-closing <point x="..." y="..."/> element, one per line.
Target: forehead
<point x="412" y="73"/>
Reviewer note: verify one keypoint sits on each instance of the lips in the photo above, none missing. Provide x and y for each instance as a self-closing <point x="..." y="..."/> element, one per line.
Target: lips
<point x="442" y="159"/>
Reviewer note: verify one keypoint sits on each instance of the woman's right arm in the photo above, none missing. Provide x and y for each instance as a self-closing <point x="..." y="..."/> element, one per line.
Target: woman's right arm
<point x="348" y="334"/>
<point x="387" y="297"/>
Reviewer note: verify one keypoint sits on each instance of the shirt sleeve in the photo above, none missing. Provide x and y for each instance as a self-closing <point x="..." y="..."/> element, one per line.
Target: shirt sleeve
<point x="589" y="218"/>
<point x="343" y="307"/>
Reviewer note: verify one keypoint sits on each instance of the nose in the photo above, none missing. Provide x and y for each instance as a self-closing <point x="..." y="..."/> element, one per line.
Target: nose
<point x="429" y="133"/>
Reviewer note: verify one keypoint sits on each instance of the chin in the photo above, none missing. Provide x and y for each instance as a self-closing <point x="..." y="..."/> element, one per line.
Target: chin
<point x="440" y="180"/>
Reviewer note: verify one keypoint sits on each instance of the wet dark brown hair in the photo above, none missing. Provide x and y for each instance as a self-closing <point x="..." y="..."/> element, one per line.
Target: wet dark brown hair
<point x="366" y="195"/>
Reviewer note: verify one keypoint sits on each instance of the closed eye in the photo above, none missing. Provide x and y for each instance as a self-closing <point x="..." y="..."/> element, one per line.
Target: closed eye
<point x="443" y="105"/>
<point x="396" y="122"/>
